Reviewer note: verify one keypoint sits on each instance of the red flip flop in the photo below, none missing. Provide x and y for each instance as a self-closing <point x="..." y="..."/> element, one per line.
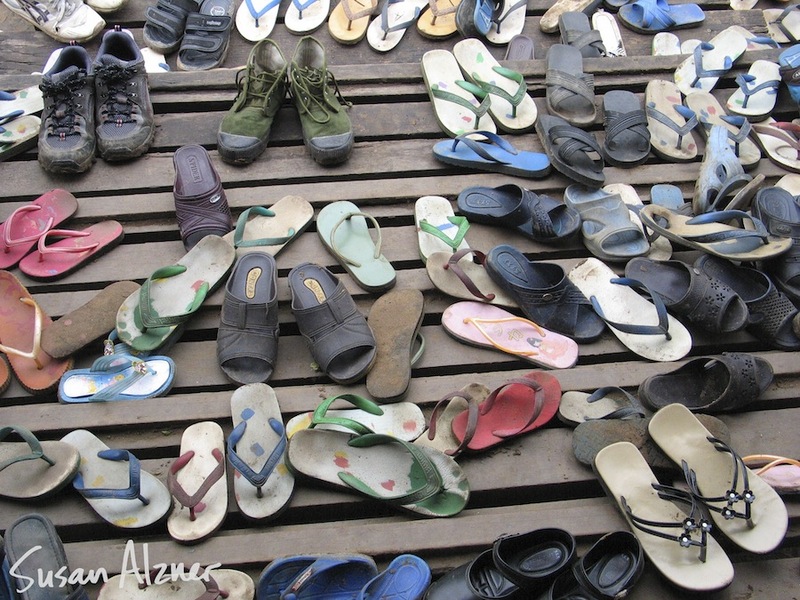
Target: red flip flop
<point x="20" y="232"/>
<point x="72" y="251"/>
<point x="516" y="407"/>
<point x="20" y="332"/>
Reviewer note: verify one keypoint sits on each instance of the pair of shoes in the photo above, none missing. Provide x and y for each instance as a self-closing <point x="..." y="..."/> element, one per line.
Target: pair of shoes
<point x="327" y="131"/>
<point x="343" y="576"/>
<point x="63" y="20"/>
<point x="471" y="91"/>
<point x="104" y="105"/>
<point x="741" y="505"/>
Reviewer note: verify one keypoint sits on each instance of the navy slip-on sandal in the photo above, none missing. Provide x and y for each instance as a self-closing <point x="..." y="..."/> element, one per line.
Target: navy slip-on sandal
<point x="406" y="578"/>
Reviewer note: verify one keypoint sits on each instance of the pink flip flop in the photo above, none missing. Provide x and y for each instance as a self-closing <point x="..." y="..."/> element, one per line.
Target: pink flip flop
<point x="72" y="251"/>
<point x="23" y="228"/>
<point x="516" y="407"/>
<point x="492" y="327"/>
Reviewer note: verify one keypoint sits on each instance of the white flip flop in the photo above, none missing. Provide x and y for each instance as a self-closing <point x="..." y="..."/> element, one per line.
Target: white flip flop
<point x="709" y="61"/>
<point x="255" y="19"/>
<point x="389" y="27"/>
<point x="304" y="16"/>
<point x="757" y="92"/>
<point x="221" y="583"/>
<point x="438" y="228"/>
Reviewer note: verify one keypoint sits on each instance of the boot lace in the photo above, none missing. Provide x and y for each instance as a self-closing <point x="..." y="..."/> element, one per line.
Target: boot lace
<point x="312" y="98"/>
<point x="254" y="89"/>
<point x="61" y="114"/>
<point x="118" y="105"/>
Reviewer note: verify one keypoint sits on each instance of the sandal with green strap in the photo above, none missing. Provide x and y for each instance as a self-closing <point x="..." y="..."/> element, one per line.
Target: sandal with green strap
<point x="438" y="228"/>
<point x="270" y="230"/>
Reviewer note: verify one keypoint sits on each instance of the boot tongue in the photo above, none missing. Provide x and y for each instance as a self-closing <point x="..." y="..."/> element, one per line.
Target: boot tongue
<point x="65" y="75"/>
<point x="108" y="59"/>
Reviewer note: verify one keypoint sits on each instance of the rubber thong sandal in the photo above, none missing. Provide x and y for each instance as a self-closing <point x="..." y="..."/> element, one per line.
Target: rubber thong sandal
<point x="207" y="36"/>
<point x="669" y="122"/>
<point x="609" y="402"/>
<point x="270" y="230"/>
<point x="159" y="310"/>
<point x="440" y="432"/>
<point x="72" y="251"/>
<point x="536" y="216"/>
<point x="465" y="277"/>
<point x="21" y="230"/>
<point x="342" y="227"/>
<point x="458" y="106"/>
<point x="438" y="21"/>
<point x="710" y="61"/>
<point x="403" y="420"/>
<point x="197" y="481"/>
<point x="573" y="152"/>
<point x="486" y="326"/>
<point x="349" y="20"/>
<point x="262" y="484"/>
<point x="33" y="469"/>
<point x="507" y="23"/>
<point x="721" y="174"/>
<point x="129" y="498"/>
<point x="782" y="473"/>
<point x="667" y="522"/>
<point x="255" y="19"/>
<point x="220" y="583"/>
<point x="21" y="327"/>
<point x="438" y="228"/>
<point x="517" y="407"/>
<point x="741" y="504"/>
<point x="387" y="29"/>
<point x="783" y="24"/>
<point x="304" y="16"/>
<point x="710" y="113"/>
<point x="643" y="326"/>
<point x="758" y="90"/>
<point x="382" y="467"/>
<point x="570" y="91"/>
<point x="781" y="142"/>
<point x="494" y="155"/>
<point x="512" y="109"/>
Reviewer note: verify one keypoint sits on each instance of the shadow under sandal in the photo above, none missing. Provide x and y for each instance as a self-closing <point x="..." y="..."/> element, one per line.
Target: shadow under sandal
<point x="247" y="340"/>
<point x="710" y="384"/>
<point x="208" y="33"/>
<point x="337" y="334"/>
<point x="201" y="206"/>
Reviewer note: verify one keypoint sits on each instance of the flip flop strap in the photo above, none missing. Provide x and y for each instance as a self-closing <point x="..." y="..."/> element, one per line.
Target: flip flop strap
<point x="30" y="439"/>
<point x="180" y="494"/>
<point x="692" y="524"/>
<point x="501" y="16"/>
<point x="661" y="311"/>
<point x="479" y="148"/>
<point x="347" y="217"/>
<point x="212" y="591"/>
<point x="44" y="249"/>
<point x="148" y="316"/>
<point x="441" y="12"/>
<point x="700" y="71"/>
<point x="682" y="130"/>
<point x="452" y="265"/>
<point x="744" y="80"/>
<point x="569" y="85"/>
<point x="472" y="419"/>
<point x="137" y="369"/>
<point x="301" y="6"/>
<point x="351" y="15"/>
<point x="743" y="125"/>
<point x="36" y="345"/>
<point x="241" y="223"/>
<point x="634" y="408"/>
<point x="478" y="324"/>
<point x="723" y="216"/>
<point x="473" y="89"/>
<point x="257" y="14"/>
<point x="132" y="492"/>
<point x="10" y="116"/>
<point x="575" y="141"/>
<point x="257" y="479"/>
<point x="490" y="88"/>
<point x="320" y="415"/>
<point x="386" y="28"/>
<point x="731" y="497"/>
<point x="779" y="22"/>
<point x="432" y="485"/>
<point x="538" y="404"/>
<point x="455" y="241"/>
<point x="8" y="241"/>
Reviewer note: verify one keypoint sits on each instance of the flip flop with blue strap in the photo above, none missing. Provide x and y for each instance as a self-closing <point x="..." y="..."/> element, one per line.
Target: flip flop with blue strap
<point x="333" y="577"/>
<point x="304" y="16"/>
<point x="255" y="19"/>
<point x="493" y="154"/>
<point x="654" y="16"/>
<point x="130" y="497"/>
<point x="710" y="61"/>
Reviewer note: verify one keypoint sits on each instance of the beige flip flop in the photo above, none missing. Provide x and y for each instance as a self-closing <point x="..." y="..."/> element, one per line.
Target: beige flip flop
<point x="783" y="24"/>
<point x="643" y="326"/>
<point x="440" y="432"/>
<point x="198" y="483"/>
<point x="348" y="22"/>
<point x="669" y="122"/>
<point x="741" y="504"/>
<point x="608" y="402"/>
<point x="34" y="469"/>
<point x="438" y="227"/>
<point x="686" y="556"/>
<point x="438" y="21"/>
<point x="262" y="484"/>
<point x="758" y="90"/>
<point x="220" y="583"/>
<point x="780" y="141"/>
<point x="549" y="21"/>
<point x="462" y="275"/>
<point x="270" y="230"/>
<point x="709" y="61"/>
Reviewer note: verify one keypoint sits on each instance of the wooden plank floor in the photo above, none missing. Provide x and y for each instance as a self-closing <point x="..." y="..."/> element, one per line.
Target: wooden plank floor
<point x="529" y="483"/>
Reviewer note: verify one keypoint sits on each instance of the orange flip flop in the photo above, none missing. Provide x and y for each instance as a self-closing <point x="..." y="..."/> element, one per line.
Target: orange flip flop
<point x="21" y="324"/>
<point x="20" y="232"/>
<point x="516" y="407"/>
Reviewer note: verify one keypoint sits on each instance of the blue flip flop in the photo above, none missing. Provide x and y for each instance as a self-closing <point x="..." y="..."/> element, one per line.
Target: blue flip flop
<point x="333" y="577"/>
<point x="654" y="16"/>
<point x="406" y="578"/>
<point x="493" y="155"/>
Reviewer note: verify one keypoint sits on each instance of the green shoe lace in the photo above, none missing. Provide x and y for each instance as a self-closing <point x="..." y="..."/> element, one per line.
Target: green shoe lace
<point x="255" y="90"/>
<point x="310" y="90"/>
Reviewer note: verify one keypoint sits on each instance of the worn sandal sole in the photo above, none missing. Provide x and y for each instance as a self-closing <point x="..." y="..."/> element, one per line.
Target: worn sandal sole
<point x="29" y="479"/>
<point x="235" y="584"/>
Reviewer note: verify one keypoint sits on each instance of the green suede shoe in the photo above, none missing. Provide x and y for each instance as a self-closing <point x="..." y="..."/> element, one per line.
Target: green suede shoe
<point x="327" y="131"/>
<point x="244" y="132"/>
